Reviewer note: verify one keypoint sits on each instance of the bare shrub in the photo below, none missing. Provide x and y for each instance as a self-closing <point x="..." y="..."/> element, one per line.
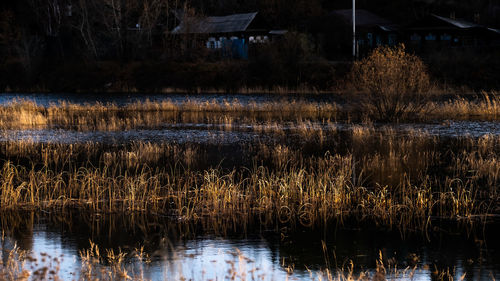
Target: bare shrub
<point x="394" y="81"/>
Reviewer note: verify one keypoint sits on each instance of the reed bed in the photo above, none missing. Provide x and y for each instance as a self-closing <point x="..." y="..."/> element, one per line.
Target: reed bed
<point x="110" y="117"/>
<point x="395" y="185"/>
<point x="486" y="106"/>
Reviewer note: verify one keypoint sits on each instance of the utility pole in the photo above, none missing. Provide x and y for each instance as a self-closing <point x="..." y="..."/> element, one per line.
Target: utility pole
<point x="354" y="29"/>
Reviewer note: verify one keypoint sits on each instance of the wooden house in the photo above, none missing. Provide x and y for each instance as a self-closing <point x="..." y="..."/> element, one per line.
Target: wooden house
<point x="229" y="35"/>
<point x="436" y="32"/>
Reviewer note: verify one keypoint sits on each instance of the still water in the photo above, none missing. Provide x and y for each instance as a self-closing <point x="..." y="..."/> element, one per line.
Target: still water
<point x="240" y="133"/>
<point x="200" y="252"/>
<point x="120" y="99"/>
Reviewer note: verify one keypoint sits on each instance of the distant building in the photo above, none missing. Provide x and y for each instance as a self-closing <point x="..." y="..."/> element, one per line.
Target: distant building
<point x="434" y="32"/>
<point x="371" y="29"/>
<point x="230" y="35"/>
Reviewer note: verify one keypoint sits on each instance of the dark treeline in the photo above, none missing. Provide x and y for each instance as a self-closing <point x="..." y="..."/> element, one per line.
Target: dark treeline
<point x="52" y="44"/>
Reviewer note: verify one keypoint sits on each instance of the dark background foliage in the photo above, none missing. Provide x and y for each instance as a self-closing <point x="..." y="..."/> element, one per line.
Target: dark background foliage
<point x="94" y="45"/>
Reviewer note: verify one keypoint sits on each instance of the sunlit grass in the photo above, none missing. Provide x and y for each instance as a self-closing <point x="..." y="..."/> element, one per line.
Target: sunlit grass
<point x="393" y="185"/>
<point x="110" y="117"/>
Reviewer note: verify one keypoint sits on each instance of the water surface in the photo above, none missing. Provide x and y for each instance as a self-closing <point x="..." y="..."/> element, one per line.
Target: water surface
<point x="244" y="133"/>
<point x="196" y="251"/>
<point x="200" y="253"/>
<point x="121" y="99"/>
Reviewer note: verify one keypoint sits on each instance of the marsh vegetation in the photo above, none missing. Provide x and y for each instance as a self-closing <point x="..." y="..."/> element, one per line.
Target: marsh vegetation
<point x="393" y="179"/>
<point x="279" y="167"/>
<point x="110" y="117"/>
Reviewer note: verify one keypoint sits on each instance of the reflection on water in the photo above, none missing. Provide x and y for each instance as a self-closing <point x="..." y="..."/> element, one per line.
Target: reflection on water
<point x="454" y="128"/>
<point x="201" y="252"/>
<point x="122" y="137"/>
<point x="240" y="133"/>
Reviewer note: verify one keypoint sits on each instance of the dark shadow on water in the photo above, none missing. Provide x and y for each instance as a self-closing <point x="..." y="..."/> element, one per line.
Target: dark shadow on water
<point x="447" y="245"/>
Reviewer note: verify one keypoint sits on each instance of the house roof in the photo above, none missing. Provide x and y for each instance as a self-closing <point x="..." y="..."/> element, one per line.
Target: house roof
<point x="278" y="32"/>
<point x="363" y="18"/>
<point x="435" y="22"/>
<point x="494" y="30"/>
<point x="207" y="25"/>
<point x="457" y="23"/>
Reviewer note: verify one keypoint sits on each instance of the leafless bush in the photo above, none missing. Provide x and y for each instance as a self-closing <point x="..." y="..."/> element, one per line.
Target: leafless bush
<point x="394" y="81"/>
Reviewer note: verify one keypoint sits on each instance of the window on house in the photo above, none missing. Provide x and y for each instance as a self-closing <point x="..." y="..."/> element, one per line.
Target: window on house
<point x="445" y="37"/>
<point x="430" y="37"/>
<point x="415" y="37"/>
<point x="392" y="39"/>
<point x="211" y="43"/>
<point x="369" y="38"/>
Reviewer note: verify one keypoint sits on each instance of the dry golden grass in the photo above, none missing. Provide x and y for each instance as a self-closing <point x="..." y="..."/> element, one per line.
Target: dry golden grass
<point x="393" y="186"/>
<point x="487" y="107"/>
<point x="109" y="117"/>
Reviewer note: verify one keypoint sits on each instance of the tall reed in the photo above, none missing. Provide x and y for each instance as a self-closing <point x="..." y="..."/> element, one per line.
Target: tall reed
<point x="110" y="117"/>
<point x="395" y="186"/>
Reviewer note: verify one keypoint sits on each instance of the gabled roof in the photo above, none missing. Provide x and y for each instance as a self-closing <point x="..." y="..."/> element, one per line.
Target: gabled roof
<point x="457" y="23"/>
<point x="438" y="22"/>
<point x="494" y="30"/>
<point x="207" y="25"/>
<point x="363" y="18"/>
<point x="435" y="22"/>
